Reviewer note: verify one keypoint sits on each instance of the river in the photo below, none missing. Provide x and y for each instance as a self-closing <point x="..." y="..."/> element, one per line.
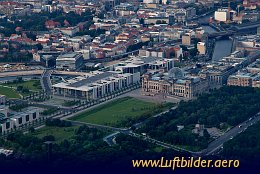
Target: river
<point x="209" y="29"/>
<point x="222" y="48"/>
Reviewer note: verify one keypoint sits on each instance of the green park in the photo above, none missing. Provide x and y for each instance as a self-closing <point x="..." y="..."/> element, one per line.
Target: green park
<point x="19" y="88"/>
<point x="9" y="92"/>
<point x="121" y="112"/>
<point x="59" y="133"/>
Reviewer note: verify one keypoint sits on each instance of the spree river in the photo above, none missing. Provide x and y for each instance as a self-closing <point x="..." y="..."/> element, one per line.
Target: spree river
<point x="222" y="48"/>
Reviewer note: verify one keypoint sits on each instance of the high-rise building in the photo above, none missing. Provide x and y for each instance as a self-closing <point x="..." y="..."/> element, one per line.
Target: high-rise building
<point x="222" y="15"/>
<point x="186" y="39"/>
<point x="201" y="46"/>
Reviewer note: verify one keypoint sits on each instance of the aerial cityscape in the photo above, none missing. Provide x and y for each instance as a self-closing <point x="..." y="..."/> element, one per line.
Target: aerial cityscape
<point x="130" y="86"/>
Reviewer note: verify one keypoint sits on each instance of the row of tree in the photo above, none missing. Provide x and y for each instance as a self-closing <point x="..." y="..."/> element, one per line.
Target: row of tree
<point x="86" y="149"/>
<point x="230" y="105"/>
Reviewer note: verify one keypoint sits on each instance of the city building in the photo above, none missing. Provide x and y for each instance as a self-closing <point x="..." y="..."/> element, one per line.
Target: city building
<point x="142" y="64"/>
<point x="254" y="68"/>
<point x="96" y="84"/>
<point x="15" y="121"/>
<point x="244" y="79"/>
<point x="2" y="99"/>
<point x="151" y="1"/>
<point x="240" y="79"/>
<point x="109" y="4"/>
<point x="69" y="61"/>
<point x="201" y="46"/>
<point x="217" y="75"/>
<point x="222" y="15"/>
<point x="186" y="39"/>
<point x="184" y="87"/>
<point x="70" y="31"/>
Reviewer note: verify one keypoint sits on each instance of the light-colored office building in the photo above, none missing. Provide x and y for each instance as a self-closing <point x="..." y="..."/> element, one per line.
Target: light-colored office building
<point x="244" y="79"/>
<point x="142" y="64"/>
<point x="70" y="61"/>
<point x="201" y="46"/>
<point x="186" y="39"/>
<point x="96" y="84"/>
<point x="222" y="15"/>
<point x="9" y="123"/>
<point x="2" y="99"/>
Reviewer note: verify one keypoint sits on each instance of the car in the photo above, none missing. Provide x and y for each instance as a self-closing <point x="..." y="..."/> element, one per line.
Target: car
<point x="250" y="118"/>
<point x="231" y="137"/>
<point x="240" y="126"/>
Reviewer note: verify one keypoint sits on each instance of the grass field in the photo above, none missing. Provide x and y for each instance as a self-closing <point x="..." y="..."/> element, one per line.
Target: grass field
<point x="8" y="92"/>
<point x="113" y="113"/>
<point x="33" y="85"/>
<point x="60" y="133"/>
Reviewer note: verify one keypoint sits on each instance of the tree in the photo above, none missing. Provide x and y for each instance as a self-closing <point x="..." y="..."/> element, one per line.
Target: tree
<point x="31" y="130"/>
<point x="158" y="22"/>
<point x="19" y="79"/>
<point x="206" y="134"/>
<point x="193" y="52"/>
<point x="19" y="88"/>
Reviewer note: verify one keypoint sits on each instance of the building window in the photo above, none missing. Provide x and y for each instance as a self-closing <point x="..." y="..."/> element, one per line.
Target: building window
<point x="7" y="125"/>
<point x="27" y="117"/>
<point x="34" y="115"/>
<point x="20" y="120"/>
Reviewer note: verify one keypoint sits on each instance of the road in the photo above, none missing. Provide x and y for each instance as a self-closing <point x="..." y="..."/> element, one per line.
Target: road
<point x="212" y="148"/>
<point x="46" y="81"/>
<point x="39" y="72"/>
<point x="110" y="139"/>
<point x="218" y="143"/>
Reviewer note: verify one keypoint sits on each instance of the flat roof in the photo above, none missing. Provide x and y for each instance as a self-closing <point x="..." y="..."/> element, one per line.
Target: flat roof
<point x="92" y="79"/>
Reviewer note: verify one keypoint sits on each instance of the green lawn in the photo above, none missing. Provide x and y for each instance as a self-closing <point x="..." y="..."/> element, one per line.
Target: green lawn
<point x="118" y="111"/>
<point x="60" y="133"/>
<point x="33" y="85"/>
<point x="10" y="93"/>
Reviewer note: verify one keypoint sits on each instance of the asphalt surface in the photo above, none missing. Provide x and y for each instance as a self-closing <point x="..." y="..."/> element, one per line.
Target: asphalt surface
<point x="110" y="139"/>
<point x="218" y="143"/>
<point x="212" y="148"/>
<point x="46" y="81"/>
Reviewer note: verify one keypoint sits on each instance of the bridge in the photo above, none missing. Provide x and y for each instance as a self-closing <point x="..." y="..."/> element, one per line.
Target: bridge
<point x="221" y="33"/>
<point x="247" y="26"/>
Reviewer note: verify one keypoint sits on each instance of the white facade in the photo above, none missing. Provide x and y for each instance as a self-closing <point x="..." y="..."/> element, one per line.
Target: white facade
<point x="96" y="84"/>
<point x="10" y="123"/>
<point x="2" y="99"/>
<point x="151" y="1"/>
<point x="201" y="46"/>
<point x="221" y="15"/>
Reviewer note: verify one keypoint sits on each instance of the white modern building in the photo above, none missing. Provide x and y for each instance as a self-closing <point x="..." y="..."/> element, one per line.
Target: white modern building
<point x="96" y="84"/>
<point x="70" y="61"/>
<point x="222" y="15"/>
<point x="151" y="1"/>
<point x="9" y="123"/>
<point x="201" y="46"/>
<point x="2" y="99"/>
<point x="142" y="64"/>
